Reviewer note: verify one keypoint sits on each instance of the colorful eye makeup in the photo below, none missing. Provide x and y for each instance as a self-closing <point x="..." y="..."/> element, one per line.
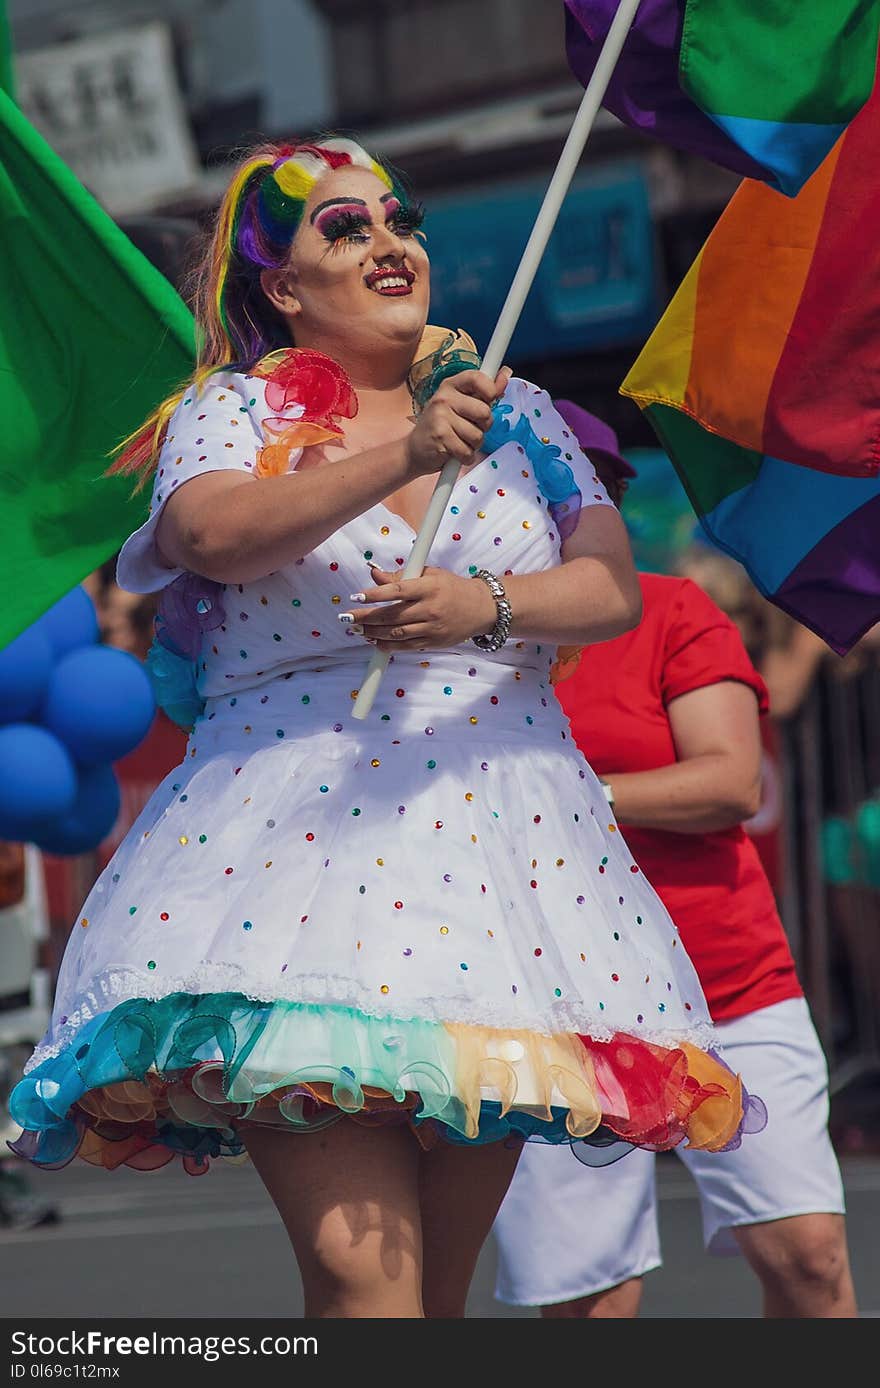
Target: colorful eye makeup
<point x="343" y="224"/>
<point x="348" y="219"/>
<point x="341" y="220"/>
<point x="406" y="218"/>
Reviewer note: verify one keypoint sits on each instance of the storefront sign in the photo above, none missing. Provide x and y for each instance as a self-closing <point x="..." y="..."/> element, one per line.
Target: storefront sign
<point x="111" y="108"/>
<point x="596" y="285"/>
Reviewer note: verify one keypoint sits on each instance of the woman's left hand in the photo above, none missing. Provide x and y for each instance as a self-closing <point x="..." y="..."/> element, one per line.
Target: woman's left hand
<point x="433" y="612"/>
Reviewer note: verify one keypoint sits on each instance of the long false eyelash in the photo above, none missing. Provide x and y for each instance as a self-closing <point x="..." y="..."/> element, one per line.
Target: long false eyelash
<point x="344" y="226"/>
<point x="350" y="226"/>
<point x="409" y="217"/>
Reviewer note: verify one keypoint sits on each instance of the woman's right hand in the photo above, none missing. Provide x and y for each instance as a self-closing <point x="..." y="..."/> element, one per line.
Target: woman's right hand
<point x="453" y="422"/>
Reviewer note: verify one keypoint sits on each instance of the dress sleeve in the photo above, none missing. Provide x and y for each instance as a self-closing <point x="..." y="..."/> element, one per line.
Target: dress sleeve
<point x="563" y="471"/>
<point x="211" y="430"/>
<point x="703" y="647"/>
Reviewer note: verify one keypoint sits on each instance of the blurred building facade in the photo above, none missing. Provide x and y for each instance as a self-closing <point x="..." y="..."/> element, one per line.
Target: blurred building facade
<point x="147" y="99"/>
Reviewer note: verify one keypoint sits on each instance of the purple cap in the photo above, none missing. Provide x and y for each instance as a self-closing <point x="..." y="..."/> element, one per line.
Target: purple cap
<point x="594" y="436"/>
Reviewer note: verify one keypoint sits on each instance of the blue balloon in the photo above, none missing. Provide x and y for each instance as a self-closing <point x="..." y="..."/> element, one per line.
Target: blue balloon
<point x="91" y="817"/>
<point x="71" y="623"/>
<point x="24" y="675"/>
<point x="99" y="703"/>
<point x="38" y="780"/>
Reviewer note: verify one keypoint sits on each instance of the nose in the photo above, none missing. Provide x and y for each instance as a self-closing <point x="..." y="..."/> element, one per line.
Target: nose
<point x="387" y="245"/>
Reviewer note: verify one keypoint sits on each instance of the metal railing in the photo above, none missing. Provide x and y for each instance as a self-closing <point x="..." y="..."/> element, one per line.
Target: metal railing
<point x="831" y="892"/>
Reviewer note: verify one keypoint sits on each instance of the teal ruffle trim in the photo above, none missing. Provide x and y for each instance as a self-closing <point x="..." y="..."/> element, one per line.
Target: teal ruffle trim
<point x="208" y="1060"/>
<point x="173" y="679"/>
<point x="428" y="373"/>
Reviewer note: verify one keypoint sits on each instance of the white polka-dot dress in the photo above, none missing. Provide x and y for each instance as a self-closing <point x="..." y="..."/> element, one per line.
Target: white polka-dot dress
<point x="418" y="914"/>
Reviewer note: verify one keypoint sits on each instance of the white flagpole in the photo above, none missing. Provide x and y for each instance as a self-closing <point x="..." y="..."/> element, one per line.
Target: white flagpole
<point x="513" y="305"/>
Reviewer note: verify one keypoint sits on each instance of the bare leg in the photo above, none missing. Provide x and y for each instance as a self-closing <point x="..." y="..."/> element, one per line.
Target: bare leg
<point x="461" y="1191"/>
<point x="803" y="1266"/>
<point x="349" y="1199"/>
<point x="615" y="1303"/>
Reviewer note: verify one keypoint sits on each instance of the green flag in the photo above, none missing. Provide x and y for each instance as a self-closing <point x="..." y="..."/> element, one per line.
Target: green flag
<point x="92" y="338"/>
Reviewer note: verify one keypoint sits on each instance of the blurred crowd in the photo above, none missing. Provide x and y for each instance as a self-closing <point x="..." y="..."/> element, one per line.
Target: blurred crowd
<point x="125" y="619"/>
<point x="39" y="894"/>
<point x="818" y="832"/>
<point x="788" y="655"/>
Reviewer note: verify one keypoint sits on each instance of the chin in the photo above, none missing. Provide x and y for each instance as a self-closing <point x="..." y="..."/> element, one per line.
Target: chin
<point x="405" y="324"/>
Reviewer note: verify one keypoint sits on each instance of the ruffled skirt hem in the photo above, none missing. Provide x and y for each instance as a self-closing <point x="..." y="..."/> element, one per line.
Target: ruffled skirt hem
<point x="185" y="1075"/>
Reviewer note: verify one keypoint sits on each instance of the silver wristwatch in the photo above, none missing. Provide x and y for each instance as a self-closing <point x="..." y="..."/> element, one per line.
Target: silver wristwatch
<point x="495" y="639"/>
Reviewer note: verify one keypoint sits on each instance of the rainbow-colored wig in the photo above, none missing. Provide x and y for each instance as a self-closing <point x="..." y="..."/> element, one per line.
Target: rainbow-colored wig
<point x="256" y="223"/>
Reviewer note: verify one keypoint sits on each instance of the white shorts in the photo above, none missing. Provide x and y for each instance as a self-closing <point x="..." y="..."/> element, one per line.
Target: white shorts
<point x="567" y="1230"/>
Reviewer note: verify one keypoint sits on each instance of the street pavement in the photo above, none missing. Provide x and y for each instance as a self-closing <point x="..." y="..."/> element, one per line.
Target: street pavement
<point x="166" y="1244"/>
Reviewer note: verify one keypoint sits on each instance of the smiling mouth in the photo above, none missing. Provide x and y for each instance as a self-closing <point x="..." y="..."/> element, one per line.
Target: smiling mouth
<point x="391" y="282"/>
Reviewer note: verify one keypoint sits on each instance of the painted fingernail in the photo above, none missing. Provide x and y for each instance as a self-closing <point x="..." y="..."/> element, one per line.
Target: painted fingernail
<point x="356" y="597"/>
<point x="346" y="618"/>
<point x="357" y="629"/>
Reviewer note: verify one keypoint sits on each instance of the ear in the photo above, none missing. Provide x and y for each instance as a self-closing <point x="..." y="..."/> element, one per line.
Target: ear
<point x="277" y="285"/>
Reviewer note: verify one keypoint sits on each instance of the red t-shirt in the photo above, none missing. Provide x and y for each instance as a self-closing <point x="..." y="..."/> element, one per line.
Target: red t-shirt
<point x="712" y="885"/>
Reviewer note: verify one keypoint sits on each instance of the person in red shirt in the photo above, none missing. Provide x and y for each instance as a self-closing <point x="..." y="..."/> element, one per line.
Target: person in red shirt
<point x="668" y="716"/>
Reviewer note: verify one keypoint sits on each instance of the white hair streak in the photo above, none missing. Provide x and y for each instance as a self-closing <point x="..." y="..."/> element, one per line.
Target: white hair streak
<point x="356" y="153"/>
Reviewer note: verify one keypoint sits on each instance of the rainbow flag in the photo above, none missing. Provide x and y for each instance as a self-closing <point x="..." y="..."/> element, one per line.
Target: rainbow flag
<point x="763" y="87"/>
<point x="762" y="381"/>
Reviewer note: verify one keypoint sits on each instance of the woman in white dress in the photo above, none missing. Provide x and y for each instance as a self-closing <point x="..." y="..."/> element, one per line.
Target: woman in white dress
<point x="375" y="955"/>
